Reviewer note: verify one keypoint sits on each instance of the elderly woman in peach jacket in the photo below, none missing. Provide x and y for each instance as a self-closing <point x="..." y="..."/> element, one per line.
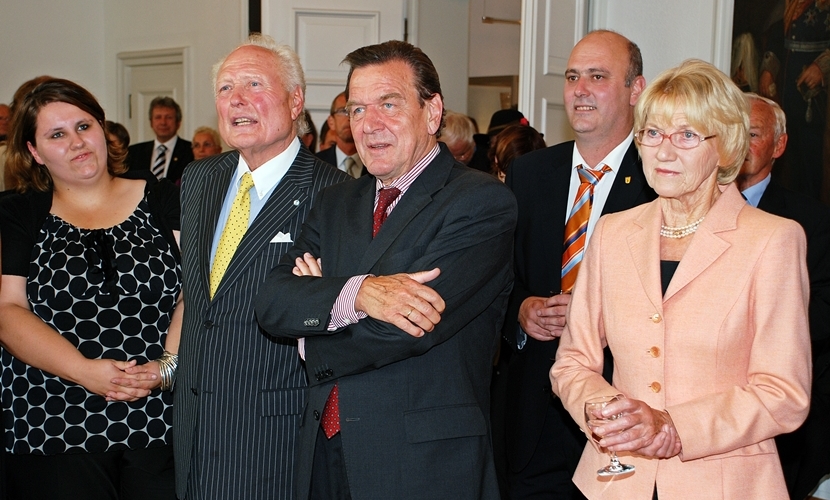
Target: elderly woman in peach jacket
<point x="702" y="300"/>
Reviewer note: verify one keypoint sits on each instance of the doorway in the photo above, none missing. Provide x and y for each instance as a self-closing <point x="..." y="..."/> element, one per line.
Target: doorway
<point x="144" y="75"/>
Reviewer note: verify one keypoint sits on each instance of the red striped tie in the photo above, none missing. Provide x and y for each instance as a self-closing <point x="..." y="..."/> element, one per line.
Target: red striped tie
<point x="576" y="229"/>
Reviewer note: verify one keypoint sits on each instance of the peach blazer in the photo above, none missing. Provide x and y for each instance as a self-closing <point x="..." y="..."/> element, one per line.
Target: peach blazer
<point x="726" y="351"/>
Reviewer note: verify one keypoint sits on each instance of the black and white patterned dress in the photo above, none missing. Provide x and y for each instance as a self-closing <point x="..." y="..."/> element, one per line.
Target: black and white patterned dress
<point x="111" y="293"/>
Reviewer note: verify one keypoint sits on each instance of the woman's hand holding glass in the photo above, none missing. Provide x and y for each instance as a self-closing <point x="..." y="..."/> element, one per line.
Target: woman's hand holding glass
<point x="638" y="428"/>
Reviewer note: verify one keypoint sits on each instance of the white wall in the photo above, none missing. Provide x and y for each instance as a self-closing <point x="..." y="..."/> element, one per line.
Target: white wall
<point x="494" y="48"/>
<point x="666" y="37"/>
<point x="443" y="36"/>
<point x="60" y="39"/>
<point x="79" y="40"/>
<point x="208" y="28"/>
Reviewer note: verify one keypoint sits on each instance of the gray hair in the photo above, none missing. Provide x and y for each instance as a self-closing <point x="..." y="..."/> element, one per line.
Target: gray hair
<point x="290" y="69"/>
<point x="780" y="118"/>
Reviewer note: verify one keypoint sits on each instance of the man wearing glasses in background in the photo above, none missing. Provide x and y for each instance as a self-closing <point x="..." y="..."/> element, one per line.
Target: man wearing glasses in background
<point x="343" y="154"/>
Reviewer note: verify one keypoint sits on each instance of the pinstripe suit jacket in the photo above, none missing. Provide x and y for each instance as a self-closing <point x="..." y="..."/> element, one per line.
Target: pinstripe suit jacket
<point x="239" y="392"/>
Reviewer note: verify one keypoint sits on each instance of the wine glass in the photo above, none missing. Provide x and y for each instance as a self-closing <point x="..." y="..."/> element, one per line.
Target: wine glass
<point x="593" y="407"/>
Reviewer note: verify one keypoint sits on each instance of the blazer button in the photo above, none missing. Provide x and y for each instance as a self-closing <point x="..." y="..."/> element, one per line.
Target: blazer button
<point x="656" y="318"/>
<point x="654" y="352"/>
<point x="655" y="387"/>
<point x="316" y="415"/>
<point x="208" y="324"/>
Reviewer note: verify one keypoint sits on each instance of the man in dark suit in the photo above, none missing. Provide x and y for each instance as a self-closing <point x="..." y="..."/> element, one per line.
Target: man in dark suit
<point x="343" y="154"/>
<point x="239" y="392"/>
<point x="400" y="327"/>
<point x="804" y="455"/>
<point x="603" y="80"/>
<point x="167" y="154"/>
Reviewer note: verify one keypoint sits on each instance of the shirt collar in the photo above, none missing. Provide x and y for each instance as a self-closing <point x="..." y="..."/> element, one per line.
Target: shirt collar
<point x="170" y="145"/>
<point x="270" y="173"/>
<point x="340" y="156"/>
<point x="753" y="193"/>
<point x="613" y="159"/>
<point x="403" y="182"/>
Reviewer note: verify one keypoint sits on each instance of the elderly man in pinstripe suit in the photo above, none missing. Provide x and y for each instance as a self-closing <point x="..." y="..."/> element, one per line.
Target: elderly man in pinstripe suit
<point x="240" y="392"/>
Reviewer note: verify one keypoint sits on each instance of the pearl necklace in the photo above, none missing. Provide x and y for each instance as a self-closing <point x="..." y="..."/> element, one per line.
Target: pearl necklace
<point x="679" y="232"/>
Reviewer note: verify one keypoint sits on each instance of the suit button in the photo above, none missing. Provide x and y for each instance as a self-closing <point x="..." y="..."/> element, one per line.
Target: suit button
<point x="656" y="318"/>
<point x="316" y="415"/>
<point x="208" y="324"/>
<point x="194" y="391"/>
<point x="654" y="352"/>
<point x="655" y="387"/>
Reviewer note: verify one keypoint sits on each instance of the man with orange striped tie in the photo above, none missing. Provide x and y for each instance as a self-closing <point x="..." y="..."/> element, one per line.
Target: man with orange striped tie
<point x="562" y="191"/>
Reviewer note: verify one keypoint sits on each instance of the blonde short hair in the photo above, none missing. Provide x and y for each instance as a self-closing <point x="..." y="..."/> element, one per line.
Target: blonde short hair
<point x="211" y="132"/>
<point x="712" y="103"/>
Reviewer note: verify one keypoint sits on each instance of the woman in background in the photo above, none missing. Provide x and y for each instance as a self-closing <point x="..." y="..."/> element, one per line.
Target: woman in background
<point x="512" y="142"/>
<point x="90" y="290"/>
<point x="206" y="142"/>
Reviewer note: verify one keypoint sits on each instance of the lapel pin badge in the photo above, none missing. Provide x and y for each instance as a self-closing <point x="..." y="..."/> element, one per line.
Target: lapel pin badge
<point x="628" y="179"/>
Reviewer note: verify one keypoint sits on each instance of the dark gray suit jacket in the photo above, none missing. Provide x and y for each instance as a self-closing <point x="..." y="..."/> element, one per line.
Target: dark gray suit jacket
<point x="140" y="155"/>
<point x="239" y="392"/>
<point x="414" y="411"/>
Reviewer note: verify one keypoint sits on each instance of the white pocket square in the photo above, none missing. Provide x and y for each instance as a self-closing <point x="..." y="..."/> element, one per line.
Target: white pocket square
<point x="282" y="238"/>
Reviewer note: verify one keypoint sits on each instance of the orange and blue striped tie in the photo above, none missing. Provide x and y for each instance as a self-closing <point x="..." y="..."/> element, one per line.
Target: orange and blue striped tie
<point x="576" y="229"/>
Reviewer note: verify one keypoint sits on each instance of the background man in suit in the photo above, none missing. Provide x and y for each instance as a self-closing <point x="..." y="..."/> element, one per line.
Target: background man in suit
<point x="167" y="154"/>
<point x="399" y="371"/>
<point x="239" y="391"/>
<point x="803" y="453"/>
<point x="603" y="80"/>
<point x="343" y="154"/>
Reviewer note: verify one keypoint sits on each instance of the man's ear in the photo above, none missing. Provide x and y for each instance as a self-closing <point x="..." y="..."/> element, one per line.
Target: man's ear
<point x="435" y="111"/>
<point x="780" y="146"/>
<point x="637" y="87"/>
<point x="297" y="102"/>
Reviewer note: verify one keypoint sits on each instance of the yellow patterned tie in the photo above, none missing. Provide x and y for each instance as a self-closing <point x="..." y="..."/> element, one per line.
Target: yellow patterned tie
<point x="234" y="231"/>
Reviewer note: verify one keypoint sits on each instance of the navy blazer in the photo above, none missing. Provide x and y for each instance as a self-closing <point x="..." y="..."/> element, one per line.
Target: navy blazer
<point x="414" y="412"/>
<point x="140" y="155"/>
<point x="540" y="181"/>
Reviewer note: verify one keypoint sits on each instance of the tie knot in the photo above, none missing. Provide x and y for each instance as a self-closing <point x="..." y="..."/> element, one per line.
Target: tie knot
<point x="162" y="148"/>
<point x="246" y="183"/>
<point x="386" y="196"/>
<point x="592" y="176"/>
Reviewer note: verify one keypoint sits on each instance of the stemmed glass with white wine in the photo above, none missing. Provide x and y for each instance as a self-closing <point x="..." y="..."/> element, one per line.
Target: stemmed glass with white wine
<point x="593" y="407"/>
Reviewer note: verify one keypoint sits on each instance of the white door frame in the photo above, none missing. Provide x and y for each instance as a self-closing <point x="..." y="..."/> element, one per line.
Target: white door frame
<point x="128" y="60"/>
